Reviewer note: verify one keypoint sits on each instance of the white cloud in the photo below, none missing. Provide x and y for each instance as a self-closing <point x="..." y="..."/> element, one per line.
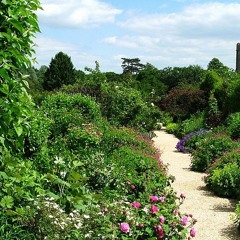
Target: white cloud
<point x="76" y="13"/>
<point x="133" y="42"/>
<point x="193" y="36"/>
<point x="47" y="48"/>
<point x="206" y="20"/>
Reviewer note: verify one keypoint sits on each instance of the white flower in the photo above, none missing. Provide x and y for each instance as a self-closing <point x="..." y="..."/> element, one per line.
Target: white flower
<point x="86" y="216"/>
<point x="63" y="174"/>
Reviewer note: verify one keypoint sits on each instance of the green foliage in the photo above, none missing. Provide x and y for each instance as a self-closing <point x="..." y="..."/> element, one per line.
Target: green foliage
<point x="16" y="42"/>
<point x="217" y="66"/>
<point x="192" y="124"/>
<point x="225" y="181"/>
<point x="236" y="216"/>
<point x="231" y="101"/>
<point x="172" y="128"/>
<point x="212" y="146"/>
<point x="224" y="175"/>
<point x="150" y="85"/>
<point x="173" y="77"/>
<point x="60" y="72"/>
<point x="77" y="104"/>
<point x="233" y="124"/>
<point x="212" y="82"/>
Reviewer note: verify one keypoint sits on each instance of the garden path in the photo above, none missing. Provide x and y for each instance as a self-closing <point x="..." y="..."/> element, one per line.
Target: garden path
<point x="212" y="213"/>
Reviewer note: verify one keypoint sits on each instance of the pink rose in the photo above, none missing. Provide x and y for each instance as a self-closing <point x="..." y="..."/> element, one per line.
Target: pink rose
<point x="124" y="227"/>
<point x="153" y="198"/>
<point x="154" y="209"/>
<point x="159" y="228"/>
<point x="162" y="219"/>
<point x="160" y="233"/>
<point x="136" y="204"/>
<point x="184" y="220"/>
<point x="192" y="232"/>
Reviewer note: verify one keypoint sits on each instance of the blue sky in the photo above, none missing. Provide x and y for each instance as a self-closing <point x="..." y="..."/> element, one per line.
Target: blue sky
<point x="171" y="33"/>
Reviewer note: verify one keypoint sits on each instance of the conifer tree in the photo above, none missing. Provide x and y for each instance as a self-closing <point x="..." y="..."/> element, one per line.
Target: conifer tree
<point x="60" y="71"/>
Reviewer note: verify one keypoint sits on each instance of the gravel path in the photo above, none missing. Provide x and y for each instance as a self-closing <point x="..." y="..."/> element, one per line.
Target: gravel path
<point x="212" y="213"/>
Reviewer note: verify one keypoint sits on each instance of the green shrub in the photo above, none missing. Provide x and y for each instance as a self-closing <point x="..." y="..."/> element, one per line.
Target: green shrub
<point x="172" y="128"/>
<point x="192" y="124"/>
<point x="69" y="110"/>
<point x="209" y="148"/>
<point x="225" y="181"/>
<point x="223" y="177"/>
<point x="39" y="132"/>
<point x="233" y="123"/>
<point x="190" y="141"/>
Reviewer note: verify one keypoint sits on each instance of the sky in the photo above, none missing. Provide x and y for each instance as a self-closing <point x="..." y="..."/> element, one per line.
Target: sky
<point x="164" y="33"/>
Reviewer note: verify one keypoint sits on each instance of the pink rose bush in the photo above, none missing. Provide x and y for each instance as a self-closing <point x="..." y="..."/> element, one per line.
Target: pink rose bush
<point x="147" y="207"/>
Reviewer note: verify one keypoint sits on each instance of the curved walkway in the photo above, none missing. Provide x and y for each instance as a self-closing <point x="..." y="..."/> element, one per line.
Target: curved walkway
<point x="212" y="213"/>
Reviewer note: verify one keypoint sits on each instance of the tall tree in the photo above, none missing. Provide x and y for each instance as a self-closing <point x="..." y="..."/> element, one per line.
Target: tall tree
<point x="61" y="71"/>
<point x="132" y="65"/>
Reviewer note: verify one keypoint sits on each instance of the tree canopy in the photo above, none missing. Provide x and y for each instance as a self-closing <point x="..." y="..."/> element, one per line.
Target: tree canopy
<point x="132" y="65"/>
<point x="60" y="71"/>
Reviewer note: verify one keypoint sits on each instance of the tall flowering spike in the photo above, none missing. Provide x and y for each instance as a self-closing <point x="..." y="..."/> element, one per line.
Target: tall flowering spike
<point x="125" y="227"/>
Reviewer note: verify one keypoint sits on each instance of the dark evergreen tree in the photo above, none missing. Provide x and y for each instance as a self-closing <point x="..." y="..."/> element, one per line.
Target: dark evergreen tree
<point x="60" y="72"/>
<point x="132" y="65"/>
